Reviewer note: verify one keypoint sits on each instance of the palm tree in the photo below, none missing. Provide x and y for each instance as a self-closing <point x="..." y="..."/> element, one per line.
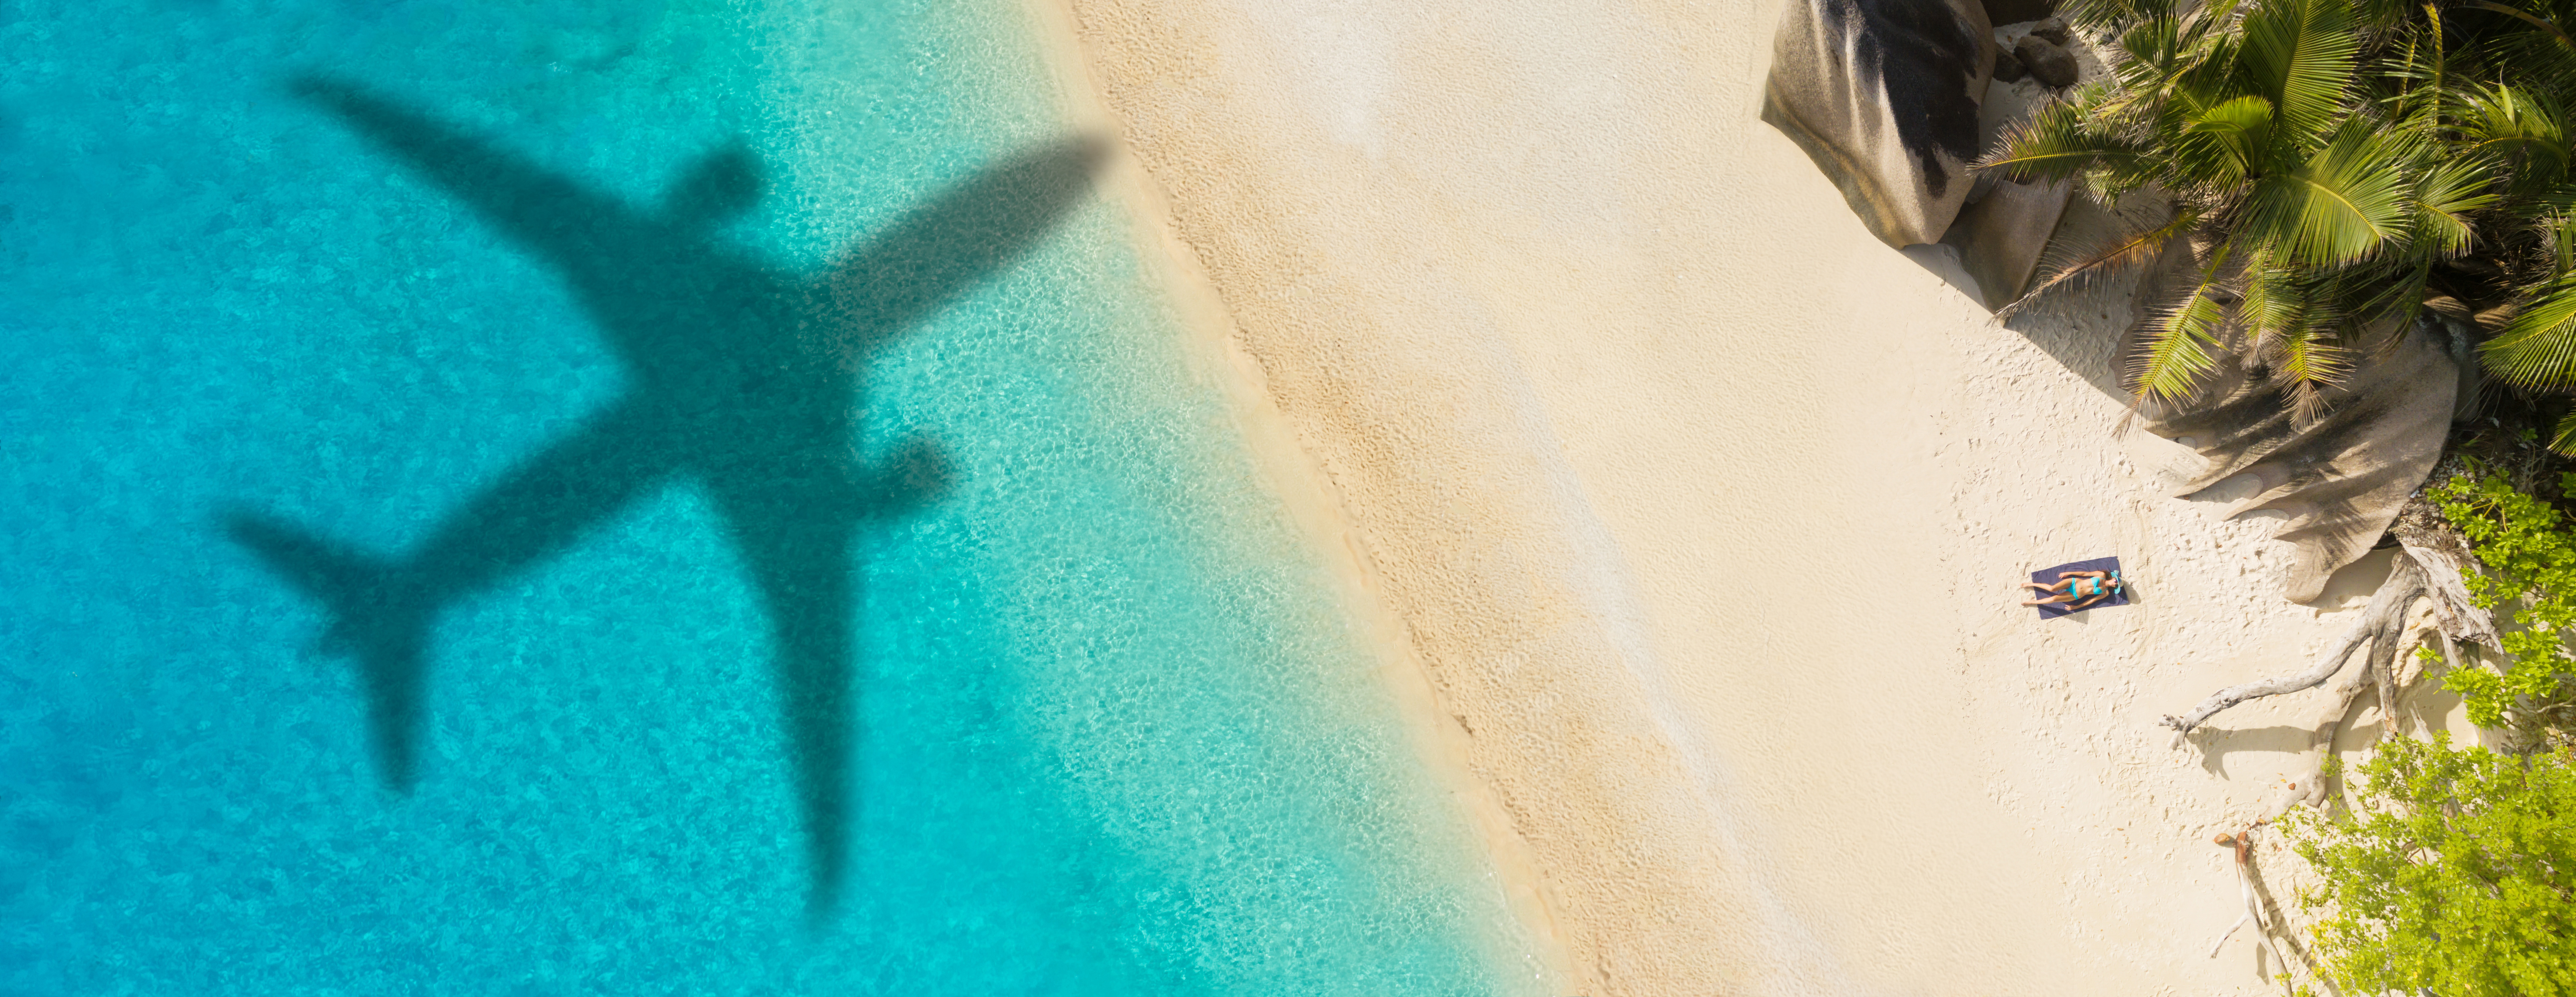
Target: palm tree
<point x="2334" y="167"/>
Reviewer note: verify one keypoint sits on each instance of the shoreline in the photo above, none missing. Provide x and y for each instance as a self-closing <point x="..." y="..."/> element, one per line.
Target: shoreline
<point x="1216" y="351"/>
<point x="1587" y="914"/>
<point x="1692" y="512"/>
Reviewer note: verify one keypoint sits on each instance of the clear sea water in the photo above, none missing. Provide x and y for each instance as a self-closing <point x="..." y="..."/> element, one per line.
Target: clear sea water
<point x="1110" y="731"/>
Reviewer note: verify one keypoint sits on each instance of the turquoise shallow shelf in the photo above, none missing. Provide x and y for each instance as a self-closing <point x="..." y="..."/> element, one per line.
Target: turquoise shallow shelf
<point x="1107" y="731"/>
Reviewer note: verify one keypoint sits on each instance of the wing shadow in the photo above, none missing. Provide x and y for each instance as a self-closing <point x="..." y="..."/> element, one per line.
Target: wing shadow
<point x="745" y="377"/>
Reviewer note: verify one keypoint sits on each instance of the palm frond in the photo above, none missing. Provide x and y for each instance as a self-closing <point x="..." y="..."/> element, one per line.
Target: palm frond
<point x="2120" y="252"/>
<point x="2421" y="70"/>
<point x="2559" y="237"/>
<point x="2056" y="144"/>
<point x="2537" y="346"/>
<point x="2158" y="54"/>
<point x="2347" y="202"/>
<point x="2306" y="361"/>
<point x="2391" y="287"/>
<point x="2111" y="15"/>
<point x="2149" y="50"/>
<point x="2546" y="26"/>
<point x="2446" y="194"/>
<point x="2214" y="19"/>
<point x="2378" y="16"/>
<point x="2209" y="67"/>
<point x="2272" y="303"/>
<point x="2564" y="440"/>
<point x="2226" y="143"/>
<point x="2288" y="331"/>
<point x="2300" y="54"/>
<point x="2180" y="346"/>
<point x="2290" y="323"/>
<point x="2518" y="41"/>
<point x="2519" y="126"/>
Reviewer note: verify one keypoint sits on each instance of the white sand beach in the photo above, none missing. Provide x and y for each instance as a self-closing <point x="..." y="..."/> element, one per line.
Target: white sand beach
<point x="1699" y="511"/>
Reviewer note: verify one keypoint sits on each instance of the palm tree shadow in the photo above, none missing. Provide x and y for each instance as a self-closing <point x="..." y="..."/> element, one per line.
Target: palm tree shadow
<point x="746" y="378"/>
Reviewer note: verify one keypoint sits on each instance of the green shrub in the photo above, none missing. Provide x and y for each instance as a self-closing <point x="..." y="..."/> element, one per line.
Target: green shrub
<point x="2530" y="557"/>
<point x="2456" y="876"/>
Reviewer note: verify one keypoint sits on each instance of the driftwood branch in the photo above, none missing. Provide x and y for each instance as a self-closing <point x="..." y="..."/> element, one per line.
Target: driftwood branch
<point x="2435" y="559"/>
<point x="2229" y="933"/>
<point x="2243" y="844"/>
<point x="2385" y="615"/>
<point x="2254" y="906"/>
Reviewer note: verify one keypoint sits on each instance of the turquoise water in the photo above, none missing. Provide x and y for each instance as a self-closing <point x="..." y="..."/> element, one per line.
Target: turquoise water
<point x="534" y="498"/>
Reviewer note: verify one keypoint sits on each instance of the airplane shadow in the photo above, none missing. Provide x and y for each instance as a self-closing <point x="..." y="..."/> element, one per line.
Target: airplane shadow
<point x="746" y="378"/>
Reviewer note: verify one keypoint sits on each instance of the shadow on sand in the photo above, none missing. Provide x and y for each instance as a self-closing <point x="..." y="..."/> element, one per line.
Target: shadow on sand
<point x="2089" y="346"/>
<point x="746" y="379"/>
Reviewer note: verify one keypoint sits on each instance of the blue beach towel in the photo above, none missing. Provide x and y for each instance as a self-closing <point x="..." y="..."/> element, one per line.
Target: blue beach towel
<point x="2048" y="576"/>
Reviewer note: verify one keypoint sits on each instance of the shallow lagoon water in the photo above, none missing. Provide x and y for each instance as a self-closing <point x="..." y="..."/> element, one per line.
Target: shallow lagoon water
<point x="1113" y="731"/>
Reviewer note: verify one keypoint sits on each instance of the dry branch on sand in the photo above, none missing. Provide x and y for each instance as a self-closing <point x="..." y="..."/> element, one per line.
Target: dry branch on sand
<point x="2243" y="844"/>
<point x="2428" y="569"/>
<point x="2429" y="566"/>
<point x="2377" y="628"/>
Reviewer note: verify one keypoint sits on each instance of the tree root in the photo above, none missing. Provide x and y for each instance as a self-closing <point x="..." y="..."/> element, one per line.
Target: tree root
<point x="2437" y="547"/>
<point x="2309" y="785"/>
<point x="2377" y="627"/>
<point x="2433" y="560"/>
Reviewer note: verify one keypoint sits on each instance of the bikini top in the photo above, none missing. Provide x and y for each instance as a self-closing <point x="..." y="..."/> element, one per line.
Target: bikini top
<point x="2098" y="586"/>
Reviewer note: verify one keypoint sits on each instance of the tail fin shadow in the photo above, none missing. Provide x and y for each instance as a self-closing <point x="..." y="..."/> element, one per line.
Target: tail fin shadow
<point x="374" y="618"/>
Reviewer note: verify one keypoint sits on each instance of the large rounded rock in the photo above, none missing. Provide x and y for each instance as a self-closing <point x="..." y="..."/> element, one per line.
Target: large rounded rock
<point x="2008" y="69"/>
<point x="2048" y="62"/>
<point x="1883" y="95"/>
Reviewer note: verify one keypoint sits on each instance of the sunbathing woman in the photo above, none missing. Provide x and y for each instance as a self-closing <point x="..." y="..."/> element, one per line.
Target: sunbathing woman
<point x="2077" y="589"/>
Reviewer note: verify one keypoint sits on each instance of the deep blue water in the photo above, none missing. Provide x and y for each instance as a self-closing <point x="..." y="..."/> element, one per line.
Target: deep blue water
<point x="856" y="594"/>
